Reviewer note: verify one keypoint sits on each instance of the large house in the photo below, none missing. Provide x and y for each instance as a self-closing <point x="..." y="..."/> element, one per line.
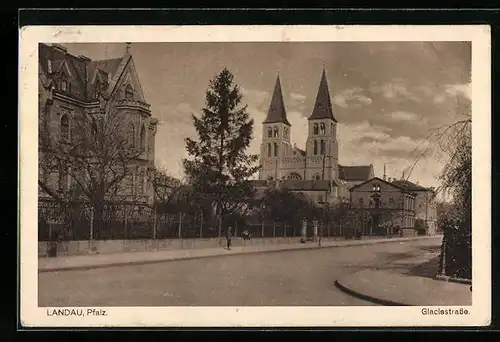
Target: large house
<point x="315" y="170"/>
<point x="75" y="87"/>
<point x="389" y="207"/>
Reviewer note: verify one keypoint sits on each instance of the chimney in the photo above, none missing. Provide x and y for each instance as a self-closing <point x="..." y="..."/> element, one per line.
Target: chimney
<point x="384" y="173"/>
<point x="127" y="49"/>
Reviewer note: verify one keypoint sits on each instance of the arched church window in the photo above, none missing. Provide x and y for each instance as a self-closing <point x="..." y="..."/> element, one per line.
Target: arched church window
<point x="64" y="128"/>
<point x="322" y="147"/>
<point x="275" y="132"/>
<point x="131" y="135"/>
<point x="322" y="129"/>
<point x="269" y="132"/>
<point x="286" y="132"/>
<point x="275" y="149"/>
<point x="269" y="150"/>
<point x="315" y="129"/>
<point x="129" y="92"/>
<point x="315" y="147"/>
<point x="331" y="128"/>
<point x="143" y="138"/>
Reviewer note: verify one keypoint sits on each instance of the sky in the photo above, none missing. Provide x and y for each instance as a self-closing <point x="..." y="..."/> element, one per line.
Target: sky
<point x="387" y="96"/>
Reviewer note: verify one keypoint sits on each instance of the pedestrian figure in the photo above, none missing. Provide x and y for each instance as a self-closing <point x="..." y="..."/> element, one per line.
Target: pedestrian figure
<point x="228" y="238"/>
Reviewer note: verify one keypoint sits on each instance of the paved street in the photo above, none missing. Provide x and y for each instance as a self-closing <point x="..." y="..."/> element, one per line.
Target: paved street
<point x="303" y="277"/>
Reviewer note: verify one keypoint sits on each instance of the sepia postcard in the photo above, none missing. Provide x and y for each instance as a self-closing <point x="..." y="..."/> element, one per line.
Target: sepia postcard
<point x="255" y="176"/>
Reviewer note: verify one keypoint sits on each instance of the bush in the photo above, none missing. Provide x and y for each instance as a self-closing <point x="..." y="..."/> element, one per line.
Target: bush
<point x="456" y="249"/>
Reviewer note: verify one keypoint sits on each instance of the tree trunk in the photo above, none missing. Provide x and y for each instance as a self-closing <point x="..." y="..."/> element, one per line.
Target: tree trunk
<point x="97" y="220"/>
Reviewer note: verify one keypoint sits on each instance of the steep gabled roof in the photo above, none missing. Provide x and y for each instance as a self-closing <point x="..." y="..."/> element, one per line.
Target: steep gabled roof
<point x="323" y="108"/>
<point x="277" y="110"/>
<point x="381" y="181"/>
<point x="409" y="185"/>
<point x="355" y="173"/>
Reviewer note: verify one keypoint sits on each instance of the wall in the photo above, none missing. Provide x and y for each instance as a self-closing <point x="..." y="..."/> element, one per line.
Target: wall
<point x="69" y="248"/>
<point x="425" y="209"/>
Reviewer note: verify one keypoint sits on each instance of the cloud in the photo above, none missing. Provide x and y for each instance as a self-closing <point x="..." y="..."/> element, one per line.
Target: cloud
<point x="255" y="97"/>
<point x="402" y="116"/>
<point x="351" y="97"/>
<point x="297" y="96"/>
<point x="452" y="91"/>
<point x="396" y="90"/>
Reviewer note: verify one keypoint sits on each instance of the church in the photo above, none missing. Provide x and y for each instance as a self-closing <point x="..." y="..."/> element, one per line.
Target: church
<point x="315" y="170"/>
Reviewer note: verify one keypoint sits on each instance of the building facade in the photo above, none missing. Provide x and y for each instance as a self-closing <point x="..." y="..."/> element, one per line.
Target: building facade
<point x="73" y="89"/>
<point x="425" y="205"/>
<point x="314" y="170"/>
<point x="390" y="208"/>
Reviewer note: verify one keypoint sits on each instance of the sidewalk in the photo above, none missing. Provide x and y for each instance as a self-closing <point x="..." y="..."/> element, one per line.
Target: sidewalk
<point x="407" y="282"/>
<point x="136" y="258"/>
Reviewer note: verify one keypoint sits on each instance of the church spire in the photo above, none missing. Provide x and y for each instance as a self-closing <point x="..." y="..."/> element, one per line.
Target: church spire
<point x="323" y="106"/>
<point x="277" y="111"/>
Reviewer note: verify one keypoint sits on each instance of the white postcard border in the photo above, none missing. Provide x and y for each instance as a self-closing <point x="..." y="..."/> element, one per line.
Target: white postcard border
<point x="34" y="316"/>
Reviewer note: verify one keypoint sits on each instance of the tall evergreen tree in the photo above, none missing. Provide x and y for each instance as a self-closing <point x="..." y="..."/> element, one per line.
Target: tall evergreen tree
<point x="219" y="167"/>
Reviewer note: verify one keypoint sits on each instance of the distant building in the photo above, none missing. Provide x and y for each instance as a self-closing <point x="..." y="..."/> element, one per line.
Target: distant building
<point x="425" y="204"/>
<point x="389" y="207"/>
<point x="70" y="87"/>
<point x="314" y="171"/>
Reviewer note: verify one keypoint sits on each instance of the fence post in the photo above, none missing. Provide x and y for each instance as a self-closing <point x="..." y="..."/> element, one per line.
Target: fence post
<point x="274" y="229"/>
<point x="180" y="225"/>
<point x="262" y="230"/>
<point x="154" y="223"/>
<point x="284" y="229"/>
<point x="201" y="225"/>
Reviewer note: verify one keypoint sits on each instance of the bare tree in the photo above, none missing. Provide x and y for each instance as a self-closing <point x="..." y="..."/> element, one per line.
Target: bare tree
<point x="95" y="152"/>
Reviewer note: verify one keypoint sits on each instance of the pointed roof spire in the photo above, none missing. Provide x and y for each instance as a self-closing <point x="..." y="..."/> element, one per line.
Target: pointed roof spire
<point x="277" y="110"/>
<point x="323" y="108"/>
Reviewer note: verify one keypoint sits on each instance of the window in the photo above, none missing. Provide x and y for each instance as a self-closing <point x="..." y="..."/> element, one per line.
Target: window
<point x="129" y="92"/>
<point x="275" y="132"/>
<point x="360" y="202"/>
<point x="270" y="178"/>
<point x="275" y="149"/>
<point x="331" y="128"/>
<point x="391" y="201"/>
<point x="63" y="177"/>
<point x="269" y="150"/>
<point x="64" y="128"/>
<point x="320" y="199"/>
<point x="269" y="132"/>
<point x="317" y="177"/>
<point x="94" y="130"/>
<point x="322" y="147"/>
<point x="315" y="147"/>
<point x="315" y="129"/>
<point x="322" y="129"/>
<point x="64" y="85"/>
<point x="286" y="132"/>
<point x="141" y="183"/>
<point x="143" y="138"/>
<point x="294" y="175"/>
<point x="131" y="134"/>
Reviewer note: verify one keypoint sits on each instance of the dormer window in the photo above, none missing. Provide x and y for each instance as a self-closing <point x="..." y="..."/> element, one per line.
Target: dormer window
<point x="64" y="85"/>
<point x="315" y="129"/>
<point x="322" y="128"/>
<point x="129" y="92"/>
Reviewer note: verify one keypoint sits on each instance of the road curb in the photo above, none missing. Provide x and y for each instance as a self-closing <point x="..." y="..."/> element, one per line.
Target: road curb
<point x="144" y="262"/>
<point x="360" y="295"/>
<point x="453" y="280"/>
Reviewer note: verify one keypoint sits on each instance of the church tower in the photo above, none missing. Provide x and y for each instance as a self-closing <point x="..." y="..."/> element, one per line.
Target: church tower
<point x="322" y="146"/>
<point x="275" y="136"/>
